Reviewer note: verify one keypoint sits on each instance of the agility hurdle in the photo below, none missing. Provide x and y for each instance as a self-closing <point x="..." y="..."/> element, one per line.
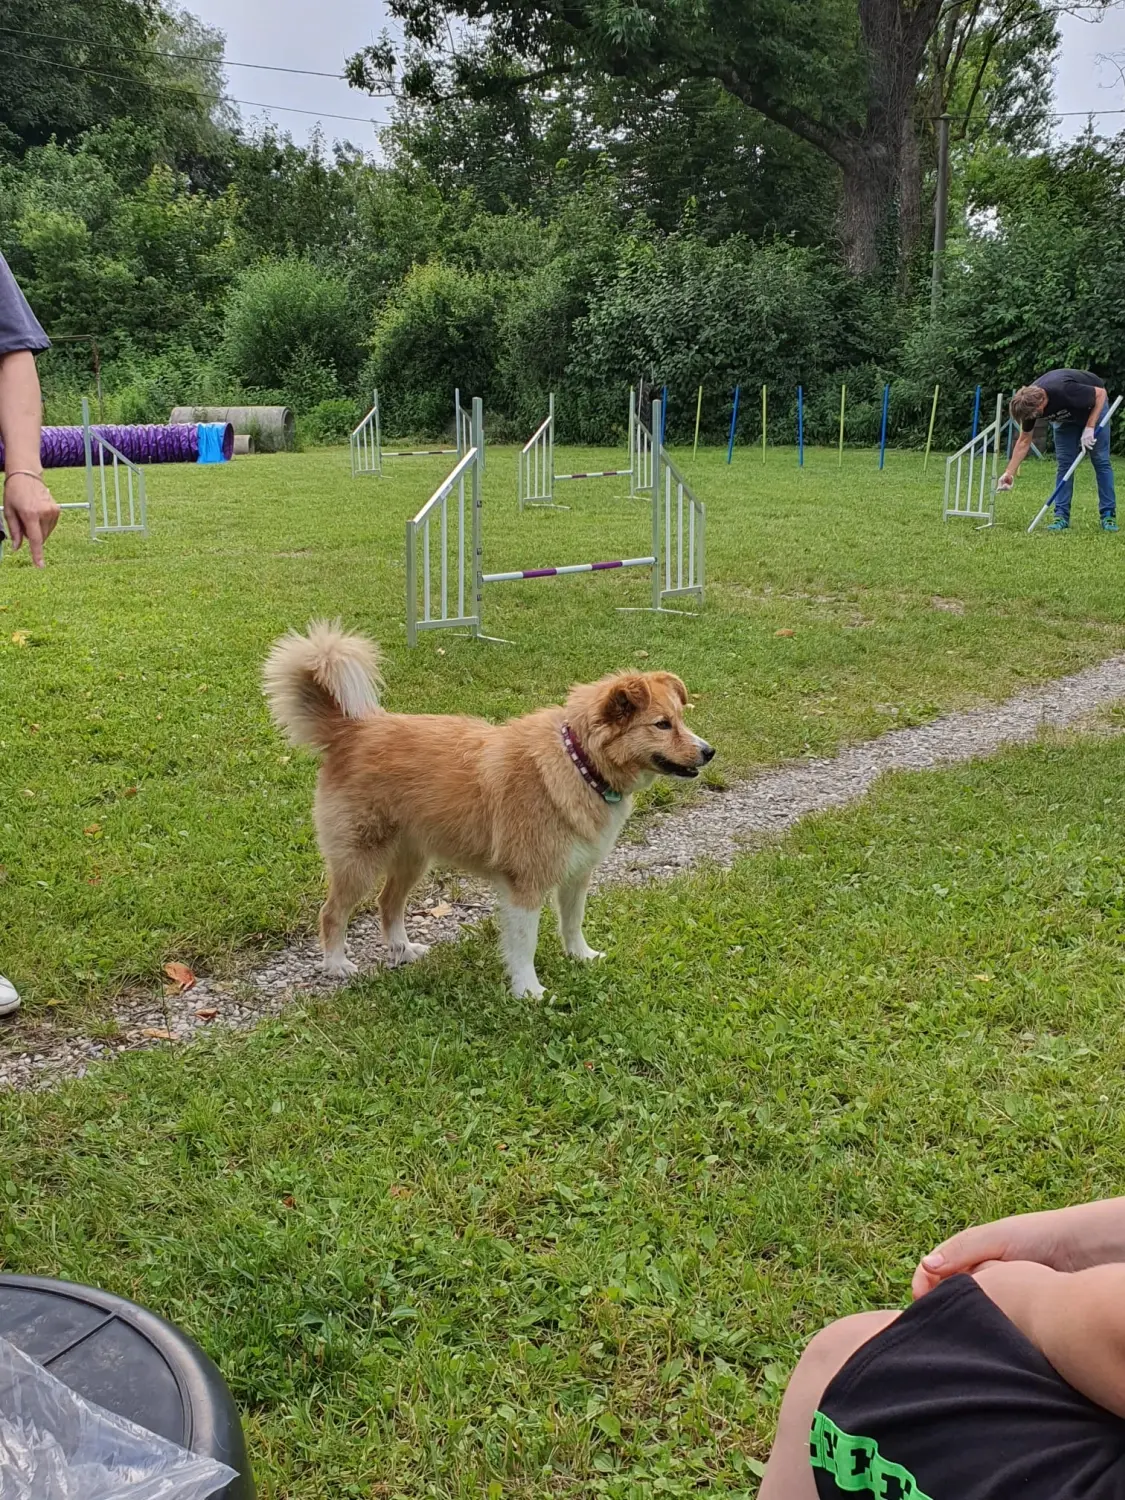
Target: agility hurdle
<point x="435" y="600"/>
<point x="111" y="509"/>
<point x="979" y="501"/>
<point x="366" y="441"/>
<point x="536" y="461"/>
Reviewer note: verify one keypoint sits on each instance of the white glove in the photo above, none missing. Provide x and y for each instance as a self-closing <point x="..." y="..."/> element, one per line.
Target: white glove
<point x="1005" y="481"/>
<point x="1089" y="438"/>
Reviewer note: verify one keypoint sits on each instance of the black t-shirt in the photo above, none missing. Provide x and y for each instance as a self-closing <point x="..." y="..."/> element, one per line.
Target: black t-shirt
<point x="1070" y="396"/>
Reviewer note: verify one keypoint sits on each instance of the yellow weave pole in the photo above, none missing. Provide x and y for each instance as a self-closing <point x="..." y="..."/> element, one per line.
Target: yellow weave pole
<point x="698" y="414"/>
<point x="763" y="424"/>
<point x="930" y="434"/>
<point x="843" y="398"/>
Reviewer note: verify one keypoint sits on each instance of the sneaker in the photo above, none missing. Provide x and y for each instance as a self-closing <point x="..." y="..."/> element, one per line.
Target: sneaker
<point x="9" y="997"/>
<point x="1059" y="525"/>
<point x="1109" y="523"/>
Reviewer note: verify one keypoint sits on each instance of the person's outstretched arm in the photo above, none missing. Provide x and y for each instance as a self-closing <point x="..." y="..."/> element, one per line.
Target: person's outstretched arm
<point x="29" y="510"/>
<point x="1066" y="1239"/>
<point x="1020" y="450"/>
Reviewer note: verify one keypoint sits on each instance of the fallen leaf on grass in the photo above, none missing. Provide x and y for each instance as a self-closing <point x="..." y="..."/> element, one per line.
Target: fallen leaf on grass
<point x="400" y="1190"/>
<point x="443" y="909"/>
<point x="91" y="829"/>
<point x="289" y="1202"/>
<point x="20" y="637"/>
<point x="208" y="1013"/>
<point x="181" y="976"/>
<point x="159" y="1034"/>
<point x="130" y="791"/>
<point x="785" y="632"/>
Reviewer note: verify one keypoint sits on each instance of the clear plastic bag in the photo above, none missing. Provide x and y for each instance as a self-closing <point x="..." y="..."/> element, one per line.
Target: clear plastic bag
<point x="56" y="1446"/>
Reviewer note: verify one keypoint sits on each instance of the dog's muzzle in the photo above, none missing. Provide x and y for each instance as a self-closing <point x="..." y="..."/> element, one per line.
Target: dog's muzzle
<point x="705" y="752"/>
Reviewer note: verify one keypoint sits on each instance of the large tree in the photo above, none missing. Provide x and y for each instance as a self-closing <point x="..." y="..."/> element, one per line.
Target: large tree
<point x="845" y="76"/>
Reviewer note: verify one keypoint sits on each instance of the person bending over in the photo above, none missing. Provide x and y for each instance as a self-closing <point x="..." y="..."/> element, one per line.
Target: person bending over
<point x="1004" y="1378"/>
<point x="1072" y="401"/>
<point x="29" y="511"/>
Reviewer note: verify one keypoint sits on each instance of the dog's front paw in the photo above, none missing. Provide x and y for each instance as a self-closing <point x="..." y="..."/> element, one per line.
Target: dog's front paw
<point x="583" y="952"/>
<point x="340" y="968"/>
<point x="406" y="953"/>
<point x="527" y="988"/>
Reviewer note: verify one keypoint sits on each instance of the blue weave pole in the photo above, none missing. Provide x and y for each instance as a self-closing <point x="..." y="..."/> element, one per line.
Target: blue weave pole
<point x="883" y="433"/>
<point x="976" y="412"/>
<point x="800" y="427"/>
<point x="733" y="421"/>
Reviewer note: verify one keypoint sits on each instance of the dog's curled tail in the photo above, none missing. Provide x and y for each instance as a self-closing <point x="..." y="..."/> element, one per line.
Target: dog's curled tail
<point x="317" y="680"/>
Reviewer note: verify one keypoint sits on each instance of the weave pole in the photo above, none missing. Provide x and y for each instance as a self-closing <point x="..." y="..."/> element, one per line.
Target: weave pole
<point x="763" y="424"/>
<point x="1070" y="472"/>
<point x="930" y="434"/>
<point x="976" y="412"/>
<point x="843" y="398"/>
<point x="883" y="433"/>
<point x="733" y="422"/>
<point x="698" y="414"/>
<point x="800" y="428"/>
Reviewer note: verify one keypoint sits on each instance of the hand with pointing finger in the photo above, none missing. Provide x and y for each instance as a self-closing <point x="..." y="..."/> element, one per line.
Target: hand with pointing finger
<point x="30" y="513"/>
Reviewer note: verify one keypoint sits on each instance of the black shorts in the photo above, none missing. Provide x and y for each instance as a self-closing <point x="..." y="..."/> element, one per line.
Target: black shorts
<point x="952" y="1402"/>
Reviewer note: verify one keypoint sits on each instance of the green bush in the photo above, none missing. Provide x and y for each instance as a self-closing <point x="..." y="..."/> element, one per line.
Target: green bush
<point x="285" y="318"/>
<point x="330" y="421"/>
<point x="437" y="333"/>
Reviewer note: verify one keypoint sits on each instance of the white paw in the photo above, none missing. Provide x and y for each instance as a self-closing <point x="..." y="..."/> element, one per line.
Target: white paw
<point x="527" y="988"/>
<point x="584" y="952"/>
<point x="340" y="968"/>
<point x="406" y="953"/>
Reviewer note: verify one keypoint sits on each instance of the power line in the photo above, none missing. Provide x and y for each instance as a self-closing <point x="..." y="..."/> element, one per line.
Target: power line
<point x="53" y="36"/>
<point x="150" y="83"/>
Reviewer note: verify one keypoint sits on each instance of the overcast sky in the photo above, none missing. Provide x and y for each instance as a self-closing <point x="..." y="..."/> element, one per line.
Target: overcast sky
<point x="297" y="34"/>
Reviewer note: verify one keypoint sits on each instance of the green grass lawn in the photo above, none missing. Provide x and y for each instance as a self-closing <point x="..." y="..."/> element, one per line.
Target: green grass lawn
<point x="149" y="811"/>
<point x="447" y="1244"/>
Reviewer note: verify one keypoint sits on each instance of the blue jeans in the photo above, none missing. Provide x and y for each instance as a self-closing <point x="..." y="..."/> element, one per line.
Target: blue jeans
<point x="1068" y="439"/>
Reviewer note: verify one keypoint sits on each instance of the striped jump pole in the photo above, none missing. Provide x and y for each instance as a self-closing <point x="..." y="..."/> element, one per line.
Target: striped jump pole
<point x="883" y="430"/>
<point x="930" y="434"/>
<point x="559" y="572"/>
<point x="800" y="427"/>
<point x="733" y="424"/>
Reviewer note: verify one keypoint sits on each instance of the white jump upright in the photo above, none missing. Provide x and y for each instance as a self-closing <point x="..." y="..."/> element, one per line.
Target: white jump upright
<point x="974" y="499"/>
<point x="112" y="507"/>
<point x="366" y="441"/>
<point x="536" y="462"/>
<point x="435" y="601"/>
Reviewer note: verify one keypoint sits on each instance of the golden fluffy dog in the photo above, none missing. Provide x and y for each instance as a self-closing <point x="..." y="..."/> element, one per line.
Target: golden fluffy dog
<point x="533" y="806"/>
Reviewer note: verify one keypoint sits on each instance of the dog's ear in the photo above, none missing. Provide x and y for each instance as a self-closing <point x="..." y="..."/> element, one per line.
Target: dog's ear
<point x="673" y="683"/>
<point x="623" y="697"/>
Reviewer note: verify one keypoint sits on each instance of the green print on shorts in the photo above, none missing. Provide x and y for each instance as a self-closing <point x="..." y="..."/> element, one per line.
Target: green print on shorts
<point x="856" y="1464"/>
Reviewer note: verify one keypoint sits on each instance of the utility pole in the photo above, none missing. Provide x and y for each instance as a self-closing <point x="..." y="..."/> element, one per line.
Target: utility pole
<point x="941" y="210"/>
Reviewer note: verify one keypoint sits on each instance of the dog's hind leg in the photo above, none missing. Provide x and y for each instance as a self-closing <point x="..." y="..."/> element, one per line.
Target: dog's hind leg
<point x="407" y="866"/>
<point x="519" y="937"/>
<point x="351" y="874"/>
<point x="570" y="899"/>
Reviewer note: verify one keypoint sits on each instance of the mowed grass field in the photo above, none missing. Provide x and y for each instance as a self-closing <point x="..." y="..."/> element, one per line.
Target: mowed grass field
<point x="448" y="1245"/>
<point x="149" y="811"/>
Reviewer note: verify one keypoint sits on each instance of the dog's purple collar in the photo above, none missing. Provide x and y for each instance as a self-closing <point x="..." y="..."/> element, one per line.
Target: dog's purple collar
<point x="585" y="769"/>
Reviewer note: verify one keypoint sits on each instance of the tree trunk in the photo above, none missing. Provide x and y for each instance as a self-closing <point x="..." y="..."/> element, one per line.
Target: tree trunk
<point x="868" y="229"/>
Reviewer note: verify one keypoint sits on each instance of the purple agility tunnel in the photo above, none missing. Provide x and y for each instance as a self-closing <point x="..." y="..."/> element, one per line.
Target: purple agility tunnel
<point x="174" y="443"/>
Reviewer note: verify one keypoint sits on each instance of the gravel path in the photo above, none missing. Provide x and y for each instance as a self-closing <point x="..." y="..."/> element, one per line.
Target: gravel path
<point x="713" y="828"/>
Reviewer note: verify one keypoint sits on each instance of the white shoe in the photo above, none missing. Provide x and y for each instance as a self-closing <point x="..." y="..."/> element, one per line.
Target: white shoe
<point x="9" y="997"/>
